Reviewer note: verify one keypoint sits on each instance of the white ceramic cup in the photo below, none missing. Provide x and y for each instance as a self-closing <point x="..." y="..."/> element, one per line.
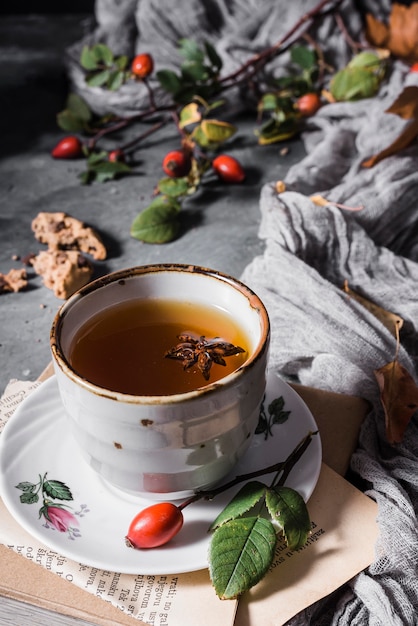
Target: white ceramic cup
<point x="167" y="446"/>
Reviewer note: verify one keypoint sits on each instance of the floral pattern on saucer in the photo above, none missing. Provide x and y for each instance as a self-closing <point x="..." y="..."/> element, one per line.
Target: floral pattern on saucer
<point x="56" y="515"/>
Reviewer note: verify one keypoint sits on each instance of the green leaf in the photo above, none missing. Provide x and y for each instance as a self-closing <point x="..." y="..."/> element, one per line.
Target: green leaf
<point x="275" y="409"/>
<point x="288" y="510"/>
<point x="366" y="60"/>
<point x="69" y="122"/>
<point x="273" y="131"/>
<point x="189" y="114"/>
<point x="88" y="59"/>
<point x="194" y="72"/>
<point x="78" y="107"/>
<point x="240" y="554"/>
<point x="103" y="53"/>
<point x="212" y="133"/>
<point x="115" y="80"/>
<point x="26" y="486"/>
<point x="243" y="501"/>
<point x="99" y="79"/>
<point x="86" y="177"/>
<point x="213" y="56"/>
<point x="122" y="62"/>
<point x="303" y="56"/>
<point x="268" y="102"/>
<point x="108" y="170"/>
<point x="353" y="84"/>
<point x="189" y="49"/>
<point x="158" y="223"/>
<point x="96" y="157"/>
<point x="173" y="187"/>
<point x="57" y="489"/>
<point x="29" y="497"/>
<point x="169" y="81"/>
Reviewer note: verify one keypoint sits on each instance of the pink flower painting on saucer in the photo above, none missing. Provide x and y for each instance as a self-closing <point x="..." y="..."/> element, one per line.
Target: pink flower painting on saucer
<point x="55" y="514"/>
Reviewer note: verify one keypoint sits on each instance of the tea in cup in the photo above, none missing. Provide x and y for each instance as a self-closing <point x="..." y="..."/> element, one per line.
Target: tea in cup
<point x="161" y="370"/>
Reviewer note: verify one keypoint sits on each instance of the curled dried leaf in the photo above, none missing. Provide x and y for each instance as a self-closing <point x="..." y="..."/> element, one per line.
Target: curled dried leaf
<point x="399" y="396"/>
<point x="400" y="35"/>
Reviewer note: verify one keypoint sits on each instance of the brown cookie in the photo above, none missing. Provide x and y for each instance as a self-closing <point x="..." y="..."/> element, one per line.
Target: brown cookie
<point x="63" y="271"/>
<point x="14" y="280"/>
<point x="63" y="232"/>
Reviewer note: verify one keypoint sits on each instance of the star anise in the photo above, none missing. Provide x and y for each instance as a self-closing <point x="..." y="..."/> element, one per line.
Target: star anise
<point x="193" y="349"/>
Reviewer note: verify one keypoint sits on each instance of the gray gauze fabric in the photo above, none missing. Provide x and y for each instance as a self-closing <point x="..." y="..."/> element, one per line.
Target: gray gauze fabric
<point x="320" y="337"/>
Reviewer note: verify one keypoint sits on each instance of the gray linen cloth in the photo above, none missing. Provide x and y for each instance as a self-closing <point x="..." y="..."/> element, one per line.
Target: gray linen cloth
<point x="320" y="337"/>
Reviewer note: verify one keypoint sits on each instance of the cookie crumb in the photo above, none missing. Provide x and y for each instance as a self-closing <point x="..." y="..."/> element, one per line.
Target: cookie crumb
<point x="60" y="231"/>
<point x="63" y="271"/>
<point x="14" y="281"/>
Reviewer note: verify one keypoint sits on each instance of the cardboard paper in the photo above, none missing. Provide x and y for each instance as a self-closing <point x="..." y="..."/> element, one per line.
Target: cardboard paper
<point x="338" y="418"/>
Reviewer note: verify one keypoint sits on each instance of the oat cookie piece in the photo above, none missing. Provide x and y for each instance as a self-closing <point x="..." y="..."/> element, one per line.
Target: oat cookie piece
<point x="63" y="232"/>
<point x="15" y="280"/>
<point x="63" y="271"/>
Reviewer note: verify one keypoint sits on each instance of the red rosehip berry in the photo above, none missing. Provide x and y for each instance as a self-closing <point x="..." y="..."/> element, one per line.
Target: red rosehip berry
<point x="228" y="169"/>
<point x="68" y="148"/>
<point x="177" y="163"/>
<point x="115" y="156"/>
<point x="308" y="104"/>
<point x="414" y="68"/>
<point x="142" y="65"/>
<point x="154" y="526"/>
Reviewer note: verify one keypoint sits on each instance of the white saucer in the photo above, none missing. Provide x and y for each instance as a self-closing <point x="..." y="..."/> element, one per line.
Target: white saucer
<point x="36" y="441"/>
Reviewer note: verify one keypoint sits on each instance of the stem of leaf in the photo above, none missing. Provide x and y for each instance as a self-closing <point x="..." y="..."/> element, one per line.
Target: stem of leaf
<point x="282" y="467"/>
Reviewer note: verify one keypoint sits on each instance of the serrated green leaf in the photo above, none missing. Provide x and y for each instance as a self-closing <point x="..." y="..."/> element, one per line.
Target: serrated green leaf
<point x="273" y="131"/>
<point x="194" y="72"/>
<point x="213" y="56"/>
<point x="268" y="102"/>
<point x="190" y="50"/>
<point x="103" y="53"/>
<point x="158" y="223"/>
<point x="353" y="84"/>
<point x="240" y="554"/>
<point x="173" y="187"/>
<point x="115" y="80"/>
<point x="96" y="157"/>
<point x="69" y="122"/>
<point x="189" y="114"/>
<point x="366" y="60"/>
<point x="169" y="81"/>
<point x="212" y="133"/>
<point x="57" y="489"/>
<point x="87" y="59"/>
<point x="288" y="510"/>
<point x="241" y="503"/>
<point x="108" y="170"/>
<point x="28" y="497"/>
<point x="78" y="107"/>
<point x="303" y="56"/>
<point x="121" y="62"/>
<point x="86" y="177"/>
<point x="99" y="79"/>
<point x="26" y="486"/>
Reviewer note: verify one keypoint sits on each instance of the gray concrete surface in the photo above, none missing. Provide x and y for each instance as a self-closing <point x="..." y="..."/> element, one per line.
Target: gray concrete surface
<point x="219" y="225"/>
